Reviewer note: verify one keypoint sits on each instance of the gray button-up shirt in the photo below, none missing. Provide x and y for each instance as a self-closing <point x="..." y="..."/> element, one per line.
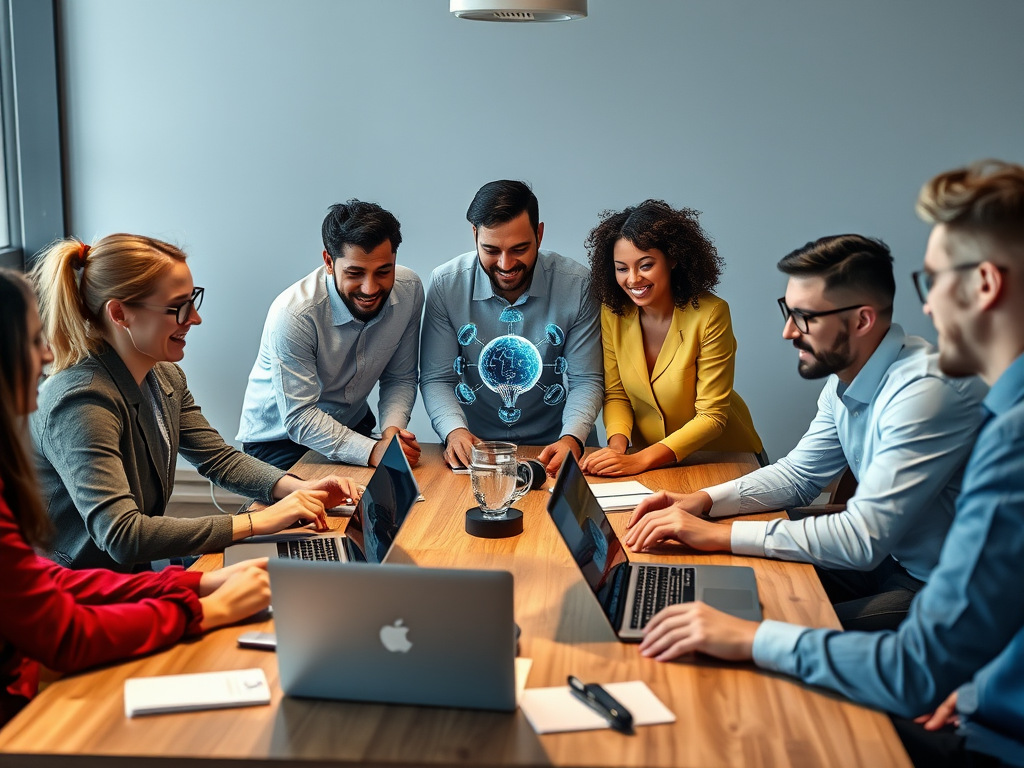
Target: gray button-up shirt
<point x="317" y="364"/>
<point x="555" y="317"/>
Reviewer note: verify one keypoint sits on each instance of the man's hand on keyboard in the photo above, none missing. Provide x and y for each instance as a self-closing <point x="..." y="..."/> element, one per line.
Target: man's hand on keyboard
<point x="655" y="524"/>
<point x="688" y="627"/>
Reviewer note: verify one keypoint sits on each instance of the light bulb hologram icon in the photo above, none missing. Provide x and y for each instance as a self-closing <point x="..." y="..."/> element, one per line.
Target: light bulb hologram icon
<point x="509" y="365"/>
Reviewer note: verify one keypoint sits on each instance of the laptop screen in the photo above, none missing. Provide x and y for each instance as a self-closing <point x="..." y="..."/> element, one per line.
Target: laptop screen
<point x="585" y="528"/>
<point x="388" y="497"/>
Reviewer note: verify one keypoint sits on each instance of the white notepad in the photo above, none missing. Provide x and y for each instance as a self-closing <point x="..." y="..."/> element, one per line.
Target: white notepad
<point x="186" y="693"/>
<point x="554" y="710"/>
<point x="618" y="496"/>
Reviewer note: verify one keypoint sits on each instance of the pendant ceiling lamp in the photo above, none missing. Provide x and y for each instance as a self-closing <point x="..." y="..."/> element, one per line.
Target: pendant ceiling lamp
<point x="519" y="10"/>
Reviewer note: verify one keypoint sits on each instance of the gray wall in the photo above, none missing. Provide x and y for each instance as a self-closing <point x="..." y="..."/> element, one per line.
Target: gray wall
<point x="229" y="126"/>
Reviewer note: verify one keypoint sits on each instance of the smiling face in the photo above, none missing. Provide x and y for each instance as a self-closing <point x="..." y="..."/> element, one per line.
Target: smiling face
<point x="364" y="280"/>
<point x="825" y="348"/>
<point x="154" y="333"/>
<point x="508" y="254"/>
<point x="645" y="276"/>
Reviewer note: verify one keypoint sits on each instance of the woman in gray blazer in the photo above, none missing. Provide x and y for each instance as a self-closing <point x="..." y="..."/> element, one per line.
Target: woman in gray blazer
<point x="116" y="411"/>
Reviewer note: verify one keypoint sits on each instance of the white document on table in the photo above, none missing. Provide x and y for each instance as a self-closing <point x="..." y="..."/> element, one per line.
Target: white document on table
<point x="188" y="693"/>
<point x="555" y="710"/>
<point x="619" y="496"/>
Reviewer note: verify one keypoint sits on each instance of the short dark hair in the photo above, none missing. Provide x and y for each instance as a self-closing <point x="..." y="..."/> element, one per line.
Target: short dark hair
<point x="365" y="225"/>
<point x="846" y="262"/>
<point x="498" y="202"/>
<point x="696" y="265"/>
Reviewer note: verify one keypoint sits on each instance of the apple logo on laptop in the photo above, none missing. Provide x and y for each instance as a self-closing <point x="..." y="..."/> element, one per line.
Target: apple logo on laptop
<point x="393" y="637"/>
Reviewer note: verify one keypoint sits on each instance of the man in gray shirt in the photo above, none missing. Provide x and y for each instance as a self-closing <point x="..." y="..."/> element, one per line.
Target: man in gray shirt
<point x="511" y="340"/>
<point x="329" y="339"/>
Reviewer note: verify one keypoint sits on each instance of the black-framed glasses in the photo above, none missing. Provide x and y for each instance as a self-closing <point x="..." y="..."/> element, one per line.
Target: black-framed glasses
<point x="924" y="279"/>
<point x="802" y="318"/>
<point x="182" y="312"/>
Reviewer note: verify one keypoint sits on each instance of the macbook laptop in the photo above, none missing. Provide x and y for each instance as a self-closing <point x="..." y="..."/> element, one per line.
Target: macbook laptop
<point x="390" y="494"/>
<point x="630" y="594"/>
<point x="395" y="634"/>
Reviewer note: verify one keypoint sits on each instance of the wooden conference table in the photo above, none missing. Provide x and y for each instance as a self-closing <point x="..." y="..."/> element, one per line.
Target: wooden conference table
<point x="727" y="714"/>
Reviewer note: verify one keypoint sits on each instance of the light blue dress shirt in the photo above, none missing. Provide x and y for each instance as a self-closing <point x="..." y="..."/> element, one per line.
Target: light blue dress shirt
<point x="317" y="364"/>
<point x="459" y="293"/>
<point x="969" y="617"/>
<point x="905" y="430"/>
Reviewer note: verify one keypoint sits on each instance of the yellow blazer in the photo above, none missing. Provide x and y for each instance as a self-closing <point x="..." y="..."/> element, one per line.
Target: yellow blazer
<point x="687" y="402"/>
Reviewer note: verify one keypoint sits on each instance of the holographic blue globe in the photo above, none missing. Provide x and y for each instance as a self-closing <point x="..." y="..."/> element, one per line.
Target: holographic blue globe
<point x="510" y="365"/>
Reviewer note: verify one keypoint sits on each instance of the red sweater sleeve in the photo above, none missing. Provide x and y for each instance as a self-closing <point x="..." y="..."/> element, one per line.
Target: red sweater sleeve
<point x="71" y="620"/>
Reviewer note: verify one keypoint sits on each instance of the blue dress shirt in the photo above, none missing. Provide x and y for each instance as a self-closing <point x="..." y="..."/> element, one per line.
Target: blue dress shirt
<point x="967" y="621"/>
<point x="905" y="430"/>
<point x="317" y="365"/>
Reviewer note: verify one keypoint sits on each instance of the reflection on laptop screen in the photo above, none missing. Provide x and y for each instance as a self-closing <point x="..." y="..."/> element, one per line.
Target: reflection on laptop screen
<point x="382" y="508"/>
<point x="587" y="532"/>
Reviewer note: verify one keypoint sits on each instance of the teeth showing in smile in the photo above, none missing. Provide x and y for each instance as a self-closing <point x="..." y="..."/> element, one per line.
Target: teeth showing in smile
<point x="640" y="292"/>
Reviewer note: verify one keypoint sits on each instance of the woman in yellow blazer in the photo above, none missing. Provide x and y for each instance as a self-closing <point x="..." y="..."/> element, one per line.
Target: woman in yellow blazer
<point x="669" y="351"/>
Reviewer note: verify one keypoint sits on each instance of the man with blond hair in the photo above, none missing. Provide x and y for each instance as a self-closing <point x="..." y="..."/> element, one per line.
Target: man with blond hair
<point x="960" y="651"/>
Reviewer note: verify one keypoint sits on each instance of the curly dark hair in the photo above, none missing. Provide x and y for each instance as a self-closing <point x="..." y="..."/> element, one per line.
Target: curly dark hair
<point x="696" y="265"/>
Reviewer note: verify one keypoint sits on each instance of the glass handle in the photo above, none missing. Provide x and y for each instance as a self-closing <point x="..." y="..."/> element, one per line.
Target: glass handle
<point x="524" y="479"/>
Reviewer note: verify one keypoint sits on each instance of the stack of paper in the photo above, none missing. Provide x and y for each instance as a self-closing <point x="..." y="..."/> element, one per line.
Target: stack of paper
<point x="552" y="710"/>
<point x="187" y="693"/>
<point x="619" y="496"/>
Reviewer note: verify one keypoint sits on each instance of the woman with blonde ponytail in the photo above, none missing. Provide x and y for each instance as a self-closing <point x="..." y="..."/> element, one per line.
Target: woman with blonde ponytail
<point x="116" y="411"/>
<point x="71" y="620"/>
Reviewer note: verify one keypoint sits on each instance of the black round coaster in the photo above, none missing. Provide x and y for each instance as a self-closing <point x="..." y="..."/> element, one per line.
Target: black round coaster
<point x="485" y="528"/>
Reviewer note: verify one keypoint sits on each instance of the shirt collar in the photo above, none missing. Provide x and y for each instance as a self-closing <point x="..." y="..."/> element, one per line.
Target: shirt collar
<point x="1008" y="389"/>
<point x="340" y="313"/>
<point x="483" y="289"/>
<point x="865" y="384"/>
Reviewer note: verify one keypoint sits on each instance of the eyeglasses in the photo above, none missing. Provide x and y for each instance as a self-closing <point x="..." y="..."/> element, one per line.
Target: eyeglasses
<point x="924" y="279"/>
<point x="802" y="318"/>
<point x="182" y="312"/>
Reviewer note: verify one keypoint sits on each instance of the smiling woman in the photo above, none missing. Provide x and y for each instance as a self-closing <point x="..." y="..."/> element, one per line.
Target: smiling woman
<point x="669" y="351"/>
<point x="116" y="411"/>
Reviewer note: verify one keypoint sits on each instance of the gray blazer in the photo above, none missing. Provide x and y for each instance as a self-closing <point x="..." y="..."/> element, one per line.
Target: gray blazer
<point x="106" y="471"/>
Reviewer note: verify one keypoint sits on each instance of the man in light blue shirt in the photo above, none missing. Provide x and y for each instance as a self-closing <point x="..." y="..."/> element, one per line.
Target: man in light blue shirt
<point x="963" y="640"/>
<point x="329" y="339"/>
<point x="886" y="410"/>
<point x="511" y="345"/>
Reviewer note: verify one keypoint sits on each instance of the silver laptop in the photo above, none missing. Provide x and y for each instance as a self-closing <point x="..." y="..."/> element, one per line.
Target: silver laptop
<point x="390" y="494"/>
<point x="631" y="594"/>
<point x="395" y="634"/>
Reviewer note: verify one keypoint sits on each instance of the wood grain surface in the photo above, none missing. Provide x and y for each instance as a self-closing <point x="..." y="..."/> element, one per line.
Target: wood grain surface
<point x="727" y="714"/>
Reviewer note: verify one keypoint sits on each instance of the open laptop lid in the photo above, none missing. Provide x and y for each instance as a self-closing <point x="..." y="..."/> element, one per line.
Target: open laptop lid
<point x="585" y="529"/>
<point x="383" y="507"/>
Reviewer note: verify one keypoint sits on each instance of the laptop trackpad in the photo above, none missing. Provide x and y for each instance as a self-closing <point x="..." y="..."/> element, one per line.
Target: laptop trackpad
<point x="728" y="599"/>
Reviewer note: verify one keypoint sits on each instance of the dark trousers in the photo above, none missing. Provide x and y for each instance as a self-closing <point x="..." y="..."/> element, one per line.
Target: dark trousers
<point x="939" y="749"/>
<point x="871" y="600"/>
<point x="284" y="453"/>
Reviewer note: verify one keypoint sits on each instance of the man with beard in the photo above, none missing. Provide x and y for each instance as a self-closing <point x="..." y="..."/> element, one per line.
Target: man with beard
<point x="539" y="301"/>
<point x="331" y="337"/>
<point x="886" y="410"/>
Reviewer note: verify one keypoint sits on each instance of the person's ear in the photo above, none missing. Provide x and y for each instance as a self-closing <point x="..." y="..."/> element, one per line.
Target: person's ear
<point x="865" y="320"/>
<point x="991" y="285"/>
<point x="329" y="263"/>
<point x="540" y="232"/>
<point x="115" y="313"/>
<point x="474" y="231"/>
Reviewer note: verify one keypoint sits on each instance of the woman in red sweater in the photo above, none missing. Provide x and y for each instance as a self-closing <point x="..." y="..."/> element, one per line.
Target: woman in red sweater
<point x="70" y="620"/>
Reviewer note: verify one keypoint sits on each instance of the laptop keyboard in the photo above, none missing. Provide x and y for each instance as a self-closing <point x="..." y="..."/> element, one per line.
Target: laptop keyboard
<point x="325" y="549"/>
<point x="657" y="587"/>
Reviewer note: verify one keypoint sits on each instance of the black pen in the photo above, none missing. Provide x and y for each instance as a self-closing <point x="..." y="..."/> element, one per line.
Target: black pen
<point x="602" y="702"/>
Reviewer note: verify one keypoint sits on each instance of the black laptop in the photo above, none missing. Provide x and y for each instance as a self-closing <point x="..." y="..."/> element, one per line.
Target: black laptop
<point x="630" y="594"/>
<point x="383" y="507"/>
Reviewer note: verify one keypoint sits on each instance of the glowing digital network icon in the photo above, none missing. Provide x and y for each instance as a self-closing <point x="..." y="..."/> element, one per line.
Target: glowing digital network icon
<point x="510" y="365"/>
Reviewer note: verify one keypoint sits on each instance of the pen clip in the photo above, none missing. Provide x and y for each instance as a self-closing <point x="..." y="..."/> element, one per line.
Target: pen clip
<point x="602" y="702"/>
